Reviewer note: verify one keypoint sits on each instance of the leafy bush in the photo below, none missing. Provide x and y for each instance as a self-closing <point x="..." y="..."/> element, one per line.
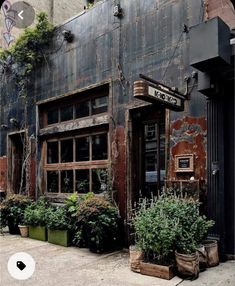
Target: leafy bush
<point x="57" y="219"/>
<point x="156" y="229"/>
<point x="28" y="51"/>
<point x="97" y="224"/>
<point x="192" y="228"/>
<point x="3" y="219"/>
<point x="35" y="214"/>
<point x="12" y="209"/>
<point x="166" y="224"/>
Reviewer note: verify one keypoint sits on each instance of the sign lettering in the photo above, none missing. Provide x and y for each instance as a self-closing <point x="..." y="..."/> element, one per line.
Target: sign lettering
<point x="164" y="97"/>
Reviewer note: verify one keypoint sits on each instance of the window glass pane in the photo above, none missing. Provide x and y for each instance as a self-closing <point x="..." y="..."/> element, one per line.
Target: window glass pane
<point x="66" y="113"/>
<point x="82" y="181"/>
<point x="52" y="152"/>
<point x="99" y="180"/>
<point x="67" y="181"/>
<point x="52" y="181"/>
<point x="99" y="147"/>
<point x="82" y="109"/>
<point x="82" y="149"/>
<point x="53" y="116"/>
<point x="67" y="150"/>
<point x="99" y="105"/>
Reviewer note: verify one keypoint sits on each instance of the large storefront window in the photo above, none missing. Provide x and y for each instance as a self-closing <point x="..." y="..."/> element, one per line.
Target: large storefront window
<point x="80" y="162"/>
<point x="75" y="146"/>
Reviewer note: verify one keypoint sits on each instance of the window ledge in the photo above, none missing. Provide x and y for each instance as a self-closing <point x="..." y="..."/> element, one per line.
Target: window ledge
<point x="75" y="125"/>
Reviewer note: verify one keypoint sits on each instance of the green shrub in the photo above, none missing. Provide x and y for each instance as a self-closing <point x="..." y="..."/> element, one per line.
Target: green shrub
<point x="193" y="227"/>
<point x="166" y="224"/>
<point x="57" y="219"/>
<point x="97" y="224"/>
<point x="3" y="219"/>
<point x="156" y="229"/>
<point x="35" y="214"/>
<point x="13" y="209"/>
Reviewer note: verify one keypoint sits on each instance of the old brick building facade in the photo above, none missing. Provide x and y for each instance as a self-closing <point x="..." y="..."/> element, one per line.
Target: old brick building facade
<point x="84" y="123"/>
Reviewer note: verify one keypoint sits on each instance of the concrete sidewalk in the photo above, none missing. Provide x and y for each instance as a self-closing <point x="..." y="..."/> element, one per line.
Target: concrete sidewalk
<point x="56" y="265"/>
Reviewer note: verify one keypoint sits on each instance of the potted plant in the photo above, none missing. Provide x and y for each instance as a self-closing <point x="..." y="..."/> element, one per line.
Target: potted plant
<point x="192" y="228"/>
<point x="3" y="220"/>
<point x="98" y="224"/>
<point x="35" y="218"/>
<point x="24" y="229"/>
<point x="155" y="234"/>
<point x="13" y="208"/>
<point x="58" y="226"/>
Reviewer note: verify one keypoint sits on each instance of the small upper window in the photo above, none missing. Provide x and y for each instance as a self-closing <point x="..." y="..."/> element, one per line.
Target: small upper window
<point x="66" y="113"/>
<point x="99" y="105"/>
<point x="53" y="116"/>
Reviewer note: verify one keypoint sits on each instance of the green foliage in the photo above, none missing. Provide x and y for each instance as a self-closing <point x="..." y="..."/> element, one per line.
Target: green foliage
<point x="35" y="214"/>
<point x="192" y="228"/>
<point x="166" y="224"/>
<point x="12" y="209"/>
<point x="3" y="216"/>
<point x="98" y="224"/>
<point x="57" y="219"/>
<point x="28" y="51"/>
<point x="156" y="229"/>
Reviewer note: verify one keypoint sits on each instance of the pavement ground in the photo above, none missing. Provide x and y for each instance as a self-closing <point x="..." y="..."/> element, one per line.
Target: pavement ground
<point x="65" y="266"/>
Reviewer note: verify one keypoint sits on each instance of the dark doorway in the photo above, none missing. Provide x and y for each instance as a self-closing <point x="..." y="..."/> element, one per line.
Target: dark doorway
<point x="16" y="170"/>
<point x="148" y="152"/>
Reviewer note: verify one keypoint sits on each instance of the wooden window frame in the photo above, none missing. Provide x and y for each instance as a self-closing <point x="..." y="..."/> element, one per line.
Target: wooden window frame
<point x="82" y="165"/>
<point x="73" y="103"/>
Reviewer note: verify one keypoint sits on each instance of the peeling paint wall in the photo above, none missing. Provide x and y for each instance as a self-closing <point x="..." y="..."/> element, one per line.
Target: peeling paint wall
<point x="188" y="136"/>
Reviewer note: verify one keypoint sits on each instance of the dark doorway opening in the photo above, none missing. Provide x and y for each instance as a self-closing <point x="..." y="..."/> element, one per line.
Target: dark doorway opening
<point x="148" y="152"/>
<point x="16" y="169"/>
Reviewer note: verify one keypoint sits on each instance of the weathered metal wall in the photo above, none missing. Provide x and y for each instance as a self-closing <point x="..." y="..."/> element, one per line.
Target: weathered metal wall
<point x="148" y="39"/>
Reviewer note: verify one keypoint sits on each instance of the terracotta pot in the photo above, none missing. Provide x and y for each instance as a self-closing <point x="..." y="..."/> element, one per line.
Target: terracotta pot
<point x="24" y="230"/>
<point x="136" y="256"/>
<point x="187" y="265"/>
<point x="211" y="247"/>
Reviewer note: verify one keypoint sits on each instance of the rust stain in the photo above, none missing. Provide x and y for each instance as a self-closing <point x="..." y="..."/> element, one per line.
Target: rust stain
<point x="188" y="136"/>
<point x="118" y="155"/>
<point x="3" y="174"/>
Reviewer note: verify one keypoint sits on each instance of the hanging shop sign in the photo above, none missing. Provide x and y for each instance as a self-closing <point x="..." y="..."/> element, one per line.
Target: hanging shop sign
<point x="160" y="94"/>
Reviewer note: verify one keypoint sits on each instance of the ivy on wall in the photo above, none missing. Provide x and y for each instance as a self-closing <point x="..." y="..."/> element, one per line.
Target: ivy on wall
<point x="27" y="52"/>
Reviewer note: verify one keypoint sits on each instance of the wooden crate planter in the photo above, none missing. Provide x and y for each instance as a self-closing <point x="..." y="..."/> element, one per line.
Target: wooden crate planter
<point x="160" y="271"/>
<point x="59" y="237"/>
<point x="38" y="232"/>
<point x="135" y="257"/>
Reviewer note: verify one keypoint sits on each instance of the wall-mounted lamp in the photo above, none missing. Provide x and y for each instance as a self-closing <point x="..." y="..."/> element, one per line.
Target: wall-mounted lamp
<point x="68" y="36"/>
<point x="4" y="126"/>
<point x="14" y="122"/>
<point x="117" y="11"/>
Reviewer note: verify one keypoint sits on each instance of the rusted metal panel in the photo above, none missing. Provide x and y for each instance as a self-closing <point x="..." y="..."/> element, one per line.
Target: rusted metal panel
<point x="188" y="136"/>
<point x="118" y="153"/>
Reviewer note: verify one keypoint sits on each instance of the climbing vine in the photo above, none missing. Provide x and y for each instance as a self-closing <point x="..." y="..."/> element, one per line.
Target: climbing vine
<point x="28" y="52"/>
<point x="19" y="61"/>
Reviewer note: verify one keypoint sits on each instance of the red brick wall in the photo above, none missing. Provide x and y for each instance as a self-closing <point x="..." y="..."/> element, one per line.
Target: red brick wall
<point x="3" y="173"/>
<point x="222" y="8"/>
